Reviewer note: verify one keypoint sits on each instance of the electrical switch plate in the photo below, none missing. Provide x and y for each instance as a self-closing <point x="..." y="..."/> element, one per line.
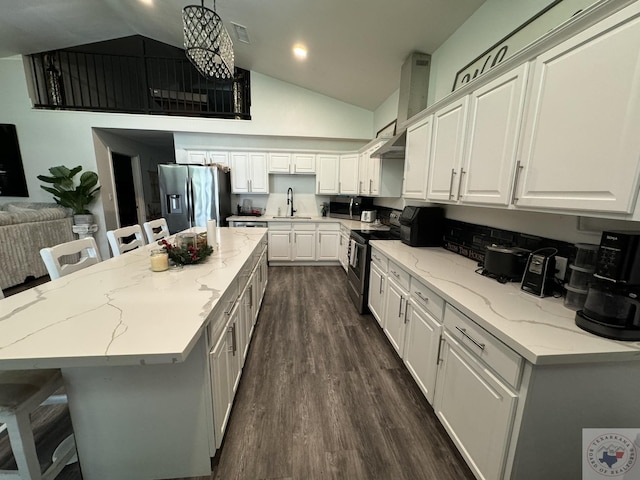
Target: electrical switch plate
<point x="561" y="268"/>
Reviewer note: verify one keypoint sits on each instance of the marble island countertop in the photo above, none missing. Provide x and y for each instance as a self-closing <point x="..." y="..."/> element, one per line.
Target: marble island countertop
<point x="119" y="312"/>
<point x="541" y="330"/>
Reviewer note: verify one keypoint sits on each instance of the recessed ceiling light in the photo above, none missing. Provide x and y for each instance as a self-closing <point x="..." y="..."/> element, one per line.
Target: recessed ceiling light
<point x="300" y="51"/>
<point x="147" y="2"/>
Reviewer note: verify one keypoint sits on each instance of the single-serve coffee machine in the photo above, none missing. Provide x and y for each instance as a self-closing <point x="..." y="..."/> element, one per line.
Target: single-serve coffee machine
<point x="612" y="306"/>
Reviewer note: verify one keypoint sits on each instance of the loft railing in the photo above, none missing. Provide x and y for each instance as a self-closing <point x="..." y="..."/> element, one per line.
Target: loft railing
<point x="70" y="80"/>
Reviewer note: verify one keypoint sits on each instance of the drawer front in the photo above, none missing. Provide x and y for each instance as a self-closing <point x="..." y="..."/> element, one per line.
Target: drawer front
<point x="500" y="358"/>
<point x="401" y="277"/>
<point x="427" y="298"/>
<point x="304" y="226"/>
<point x="345" y="230"/>
<point x="379" y="260"/>
<point x="280" y="226"/>
<point x="220" y="315"/>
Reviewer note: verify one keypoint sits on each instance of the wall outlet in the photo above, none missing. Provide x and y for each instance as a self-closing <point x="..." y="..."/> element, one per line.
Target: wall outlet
<point x="561" y="268"/>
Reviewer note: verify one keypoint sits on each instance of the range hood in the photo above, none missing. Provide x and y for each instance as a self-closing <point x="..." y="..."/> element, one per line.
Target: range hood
<point x="414" y="86"/>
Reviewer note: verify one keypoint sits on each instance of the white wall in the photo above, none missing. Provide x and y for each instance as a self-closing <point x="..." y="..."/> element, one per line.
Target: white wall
<point x="50" y="138"/>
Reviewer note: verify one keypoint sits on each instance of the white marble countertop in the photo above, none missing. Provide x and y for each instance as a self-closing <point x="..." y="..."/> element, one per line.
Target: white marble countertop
<point x="119" y="312"/>
<point x="350" y="224"/>
<point x="541" y="330"/>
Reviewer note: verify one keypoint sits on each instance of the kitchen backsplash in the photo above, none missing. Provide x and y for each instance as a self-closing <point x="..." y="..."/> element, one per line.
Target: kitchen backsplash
<point x="471" y="240"/>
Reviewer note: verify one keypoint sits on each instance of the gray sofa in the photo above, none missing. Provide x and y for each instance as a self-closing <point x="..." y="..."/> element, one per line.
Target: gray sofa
<point x="25" y="228"/>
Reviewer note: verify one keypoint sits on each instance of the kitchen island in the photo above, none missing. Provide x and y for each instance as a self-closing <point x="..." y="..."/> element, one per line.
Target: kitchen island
<point x="511" y="377"/>
<point x="133" y="346"/>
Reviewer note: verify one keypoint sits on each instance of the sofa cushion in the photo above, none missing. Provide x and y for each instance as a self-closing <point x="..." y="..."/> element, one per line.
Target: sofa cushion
<point x="17" y="209"/>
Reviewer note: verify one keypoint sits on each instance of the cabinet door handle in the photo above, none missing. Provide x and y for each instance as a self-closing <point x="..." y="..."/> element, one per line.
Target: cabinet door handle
<point x="406" y="310"/>
<point x="228" y="312"/>
<point x="380" y="285"/>
<point x="370" y="183"/>
<point x="395" y="274"/>
<point x="453" y="172"/>
<point x="463" y="331"/>
<point x="231" y="348"/>
<point x="375" y="256"/>
<point x="318" y="187"/>
<point x="250" y="296"/>
<point x="438" y="359"/>
<point x="400" y="307"/>
<point x="339" y="186"/>
<point x="360" y="189"/>
<point x="462" y="172"/>
<point x="248" y="186"/>
<point x="516" y="180"/>
<point x="419" y="294"/>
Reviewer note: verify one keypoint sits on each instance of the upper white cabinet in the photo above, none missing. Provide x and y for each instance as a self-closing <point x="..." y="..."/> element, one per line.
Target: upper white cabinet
<point x="446" y="151"/>
<point x="286" y="162"/>
<point x="416" y="162"/>
<point x="377" y="177"/>
<point x="581" y="143"/>
<point x="495" y="117"/>
<point x="327" y="174"/>
<point x="348" y="182"/>
<point x="206" y="157"/>
<point x="249" y="172"/>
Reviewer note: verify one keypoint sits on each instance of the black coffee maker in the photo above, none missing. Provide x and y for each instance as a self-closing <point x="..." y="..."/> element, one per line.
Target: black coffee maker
<point x="612" y="306"/>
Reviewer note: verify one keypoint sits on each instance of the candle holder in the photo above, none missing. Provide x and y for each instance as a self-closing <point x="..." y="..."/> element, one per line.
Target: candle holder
<point x="159" y="260"/>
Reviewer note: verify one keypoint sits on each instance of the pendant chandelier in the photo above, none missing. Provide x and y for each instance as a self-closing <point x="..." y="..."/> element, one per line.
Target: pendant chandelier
<point x="206" y="42"/>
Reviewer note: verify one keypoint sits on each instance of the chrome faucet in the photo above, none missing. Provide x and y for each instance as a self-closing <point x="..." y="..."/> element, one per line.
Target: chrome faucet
<point x="290" y="201"/>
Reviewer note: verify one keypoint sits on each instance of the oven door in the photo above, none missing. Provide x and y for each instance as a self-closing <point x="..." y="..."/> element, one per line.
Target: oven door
<point x="357" y="274"/>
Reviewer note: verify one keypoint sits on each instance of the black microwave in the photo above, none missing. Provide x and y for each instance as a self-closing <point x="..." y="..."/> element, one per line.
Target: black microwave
<point x="349" y="207"/>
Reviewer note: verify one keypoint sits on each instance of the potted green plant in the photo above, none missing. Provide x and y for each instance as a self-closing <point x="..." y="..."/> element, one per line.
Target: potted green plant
<point x="68" y="194"/>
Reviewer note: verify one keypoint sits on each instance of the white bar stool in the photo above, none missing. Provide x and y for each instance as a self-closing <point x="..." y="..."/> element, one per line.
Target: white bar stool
<point x="115" y="237"/>
<point x="21" y="392"/>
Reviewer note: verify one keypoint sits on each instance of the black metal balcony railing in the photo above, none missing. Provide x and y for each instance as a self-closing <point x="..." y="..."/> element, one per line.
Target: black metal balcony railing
<point x="70" y="80"/>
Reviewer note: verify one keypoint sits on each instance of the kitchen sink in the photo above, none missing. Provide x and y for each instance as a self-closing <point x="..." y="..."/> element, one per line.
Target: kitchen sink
<point x="295" y="217"/>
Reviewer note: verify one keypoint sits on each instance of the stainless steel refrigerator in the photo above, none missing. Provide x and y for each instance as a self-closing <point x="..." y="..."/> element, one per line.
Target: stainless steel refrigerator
<point x="192" y="194"/>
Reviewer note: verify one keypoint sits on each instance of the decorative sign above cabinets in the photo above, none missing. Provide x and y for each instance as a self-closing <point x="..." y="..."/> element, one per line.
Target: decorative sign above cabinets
<point x="549" y="18"/>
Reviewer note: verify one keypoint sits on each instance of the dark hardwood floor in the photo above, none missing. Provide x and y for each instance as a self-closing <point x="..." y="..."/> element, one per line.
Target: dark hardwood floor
<point x="324" y="396"/>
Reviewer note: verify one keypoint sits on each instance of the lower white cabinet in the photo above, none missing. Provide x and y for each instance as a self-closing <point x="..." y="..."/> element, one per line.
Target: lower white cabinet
<point x="476" y="409"/>
<point x="305" y="242"/>
<point x="328" y="247"/>
<point x="422" y="339"/>
<point x="225" y="371"/>
<point x="394" y="316"/>
<point x="304" y="245"/>
<point x="377" y="287"/>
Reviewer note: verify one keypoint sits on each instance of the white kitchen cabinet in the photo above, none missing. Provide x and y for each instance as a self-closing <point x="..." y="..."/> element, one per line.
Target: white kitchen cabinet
<point x="377" y="288"/>
<point x="395" y="314"/>
<point x="263" y="277"/>
<point x="224" y="364"/>
<point x="495" y="116"/>
<point x="475" y="408"/>
<point x="303" y="163"/>
<point x="249" y="172"/>
<point x="376" y="177"/>
<point x="327" y="174"/>
<point x="345" y="233"/>
<point x="292" y="163"/>
<point x="422" y="340"/>
<point x="304" y="244"/>
<point x="279" y="241"/>
<point x="197" y="157"/>
<point x="245" y="320"/>
<point x="416" y="161"/>
<point x="581" y="143"/>
<point x="447" y="148"/>
<point x="348" y="182"/>
<point x="328" y="247"/>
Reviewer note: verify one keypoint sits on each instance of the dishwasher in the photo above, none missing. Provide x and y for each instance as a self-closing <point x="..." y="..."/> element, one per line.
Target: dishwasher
<point x="250" y="223"/>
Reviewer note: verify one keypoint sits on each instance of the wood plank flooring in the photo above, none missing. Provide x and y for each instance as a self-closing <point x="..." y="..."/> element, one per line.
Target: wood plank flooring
<point x="324" y="396"/>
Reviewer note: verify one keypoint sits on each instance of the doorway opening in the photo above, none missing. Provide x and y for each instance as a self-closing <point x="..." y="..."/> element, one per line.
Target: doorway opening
<point x="129" y="194"/>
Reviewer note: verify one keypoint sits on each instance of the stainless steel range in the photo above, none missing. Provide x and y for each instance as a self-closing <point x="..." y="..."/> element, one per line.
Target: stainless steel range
<point x="360" y="257"/>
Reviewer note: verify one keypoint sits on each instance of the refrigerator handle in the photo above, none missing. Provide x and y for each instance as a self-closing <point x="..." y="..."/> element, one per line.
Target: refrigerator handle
<point x="190" y="210"/>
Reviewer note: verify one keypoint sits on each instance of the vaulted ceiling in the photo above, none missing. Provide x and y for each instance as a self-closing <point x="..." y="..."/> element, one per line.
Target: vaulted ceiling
<point x="355" y="47"/>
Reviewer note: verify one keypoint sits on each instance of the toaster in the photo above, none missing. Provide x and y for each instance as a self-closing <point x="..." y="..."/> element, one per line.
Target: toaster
<point x="368" y="216"/>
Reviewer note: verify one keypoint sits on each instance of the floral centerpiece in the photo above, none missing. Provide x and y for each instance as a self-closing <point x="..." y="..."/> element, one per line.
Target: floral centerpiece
<point x="187" y="253"/>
